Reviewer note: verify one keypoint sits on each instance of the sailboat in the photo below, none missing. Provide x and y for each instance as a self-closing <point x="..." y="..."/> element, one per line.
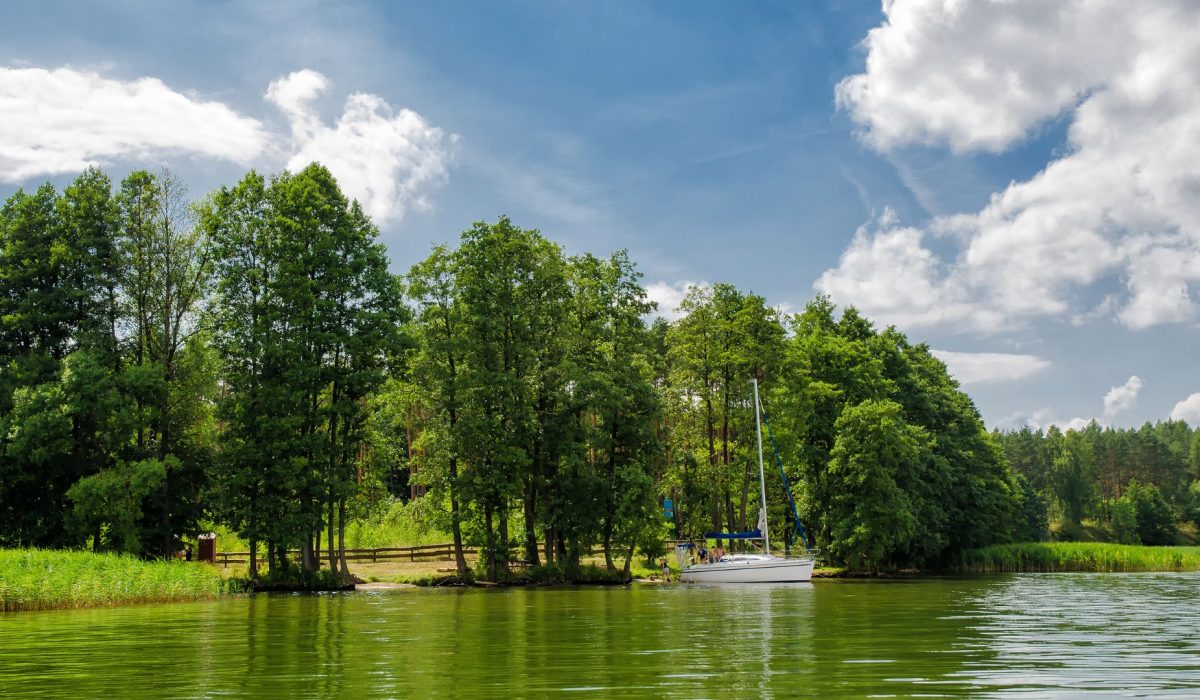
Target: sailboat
<point x="750" y="567"/>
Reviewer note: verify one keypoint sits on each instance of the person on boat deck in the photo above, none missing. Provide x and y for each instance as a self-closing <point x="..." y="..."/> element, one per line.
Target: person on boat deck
<point x="703" y="553"/>
<point x="719" y="553"/>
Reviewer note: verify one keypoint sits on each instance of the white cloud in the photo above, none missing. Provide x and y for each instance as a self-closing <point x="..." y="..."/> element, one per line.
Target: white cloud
<point x="63" y="120"/>
<point x="1118" y="399"/>
<point x="995" y="74"/>
<point x="1042" y="419"/>
<point x="1122" y="398"/>
<point x="889" y="274"/>
<point x="385" y="158"/>
<point x="669" y="296"/>
<point x="1188" y="410"/>
<point x="983" y="367"/>
<point x="1122" y="201"/>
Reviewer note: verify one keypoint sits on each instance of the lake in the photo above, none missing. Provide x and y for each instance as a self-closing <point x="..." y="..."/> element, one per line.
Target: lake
<point x="1030" y="635"/>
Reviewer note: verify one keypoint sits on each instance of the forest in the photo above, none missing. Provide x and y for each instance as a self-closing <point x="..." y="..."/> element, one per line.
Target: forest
<point x="1137" y="482"/>
<point x="248" y="358"/>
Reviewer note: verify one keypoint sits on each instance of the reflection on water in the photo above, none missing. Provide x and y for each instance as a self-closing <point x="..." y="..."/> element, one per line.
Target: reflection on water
<point x="1028" y="635"/>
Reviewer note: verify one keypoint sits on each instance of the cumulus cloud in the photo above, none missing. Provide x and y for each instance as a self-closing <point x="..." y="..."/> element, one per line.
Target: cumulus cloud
<point x="984" y="367"/>
<point x="1188" y="410"/>
<point x="669" y="295"/>
<point x="1043" y="418"/>
<point x="386" y="158"/>
<point x="1120" y="202"/>
<point x="1122" y="398"/>
<point x="996" y="74"/>
<point x="63" y="120"/>
<point x="1116" y="400"/>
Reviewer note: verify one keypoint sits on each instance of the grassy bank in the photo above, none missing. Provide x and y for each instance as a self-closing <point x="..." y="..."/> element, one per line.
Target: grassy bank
<point x="1079" y="556"/>
<point x="36" y="579"/>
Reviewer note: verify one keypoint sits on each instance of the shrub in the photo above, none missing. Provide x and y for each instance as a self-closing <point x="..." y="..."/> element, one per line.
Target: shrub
<point x="1155" y="519"/>
<point x="1124" y="521"/>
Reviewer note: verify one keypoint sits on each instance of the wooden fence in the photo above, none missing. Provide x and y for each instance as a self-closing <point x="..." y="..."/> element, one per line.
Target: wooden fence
<point x="425" y="552"/>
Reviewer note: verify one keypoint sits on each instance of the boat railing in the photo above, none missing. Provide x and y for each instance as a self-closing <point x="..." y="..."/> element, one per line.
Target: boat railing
<point x="810" y="553"/>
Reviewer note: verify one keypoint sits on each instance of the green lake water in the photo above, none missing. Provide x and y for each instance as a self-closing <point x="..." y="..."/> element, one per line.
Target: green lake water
<point x="1032" y="635"/>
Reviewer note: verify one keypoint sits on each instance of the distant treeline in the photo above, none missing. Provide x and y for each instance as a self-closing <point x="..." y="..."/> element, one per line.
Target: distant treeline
<point x="1140" y="481"/>
<point x="249" y="359"/>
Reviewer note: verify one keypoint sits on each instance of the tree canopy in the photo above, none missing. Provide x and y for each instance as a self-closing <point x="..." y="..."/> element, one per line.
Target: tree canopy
<point x="250" y="358"/>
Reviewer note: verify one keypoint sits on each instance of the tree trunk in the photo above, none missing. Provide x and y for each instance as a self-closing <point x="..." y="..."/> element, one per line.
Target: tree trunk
<point x="729" y="509"/>
<point x="306" y="553"/>
<point x="503" y="548"/>
<point x="167" y="538"/>
<point x="745" y="495"/>
<point x="550" y="537"/>
<point x="460" y="560"/>
<point x="333" y="561"/>
<point x="254" y="533"/>
<point x="608" y="530"/>
<point x="716" y="516"/>
<point x="345" y="568"/>
<point x="531" y="548"/>
<point x="489" y="539"/>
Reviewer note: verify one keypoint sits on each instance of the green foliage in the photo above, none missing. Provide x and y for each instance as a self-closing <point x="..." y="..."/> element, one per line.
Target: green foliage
<point x="562" y="574"/>
<point x="1192" y="505"/>
<point x="872" y="516"/>
<point x="250" y="359"/>
<point x="33" y="579"/>
<point x="112" y="500"/>
<point x="725" y="338"/>
<point x="1033" y="523"/>
<point x="1072" y="483"/>
<point x="293" y="578"/>
<point x="306" y="317"/>
<point x="1155" y="520"/>
<point x="99" y="292"/>
<point x="1082" y="473"/>
<point x="401" y="524"/>
<point x="934" y="482"/>
<point x="1125" y="520"/>
<point x="532" y="389"/>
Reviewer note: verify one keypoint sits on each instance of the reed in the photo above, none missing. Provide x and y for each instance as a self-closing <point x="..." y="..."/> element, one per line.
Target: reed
<point x="40" y="579"/>
<point x="1078" y="556"/>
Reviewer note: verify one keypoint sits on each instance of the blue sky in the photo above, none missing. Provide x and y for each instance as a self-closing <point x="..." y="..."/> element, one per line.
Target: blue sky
<point x="968" y="180"/>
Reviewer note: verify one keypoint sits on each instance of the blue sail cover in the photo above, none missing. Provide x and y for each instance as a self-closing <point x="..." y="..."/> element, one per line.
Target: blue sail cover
<point x="750" y="535"/>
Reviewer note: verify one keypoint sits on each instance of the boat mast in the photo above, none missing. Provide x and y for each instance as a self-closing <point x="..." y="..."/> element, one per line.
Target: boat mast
<point x="762" y="479"/>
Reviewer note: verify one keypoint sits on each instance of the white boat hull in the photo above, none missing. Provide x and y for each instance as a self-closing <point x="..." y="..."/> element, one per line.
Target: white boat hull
<point x="757" y="570"/>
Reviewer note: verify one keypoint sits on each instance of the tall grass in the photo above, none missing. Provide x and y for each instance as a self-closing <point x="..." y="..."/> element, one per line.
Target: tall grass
<point x="396" y="525"/>
<point x="40" y="579"/>
<point x="1079" y="556"/>
<point x="401" y="525"/>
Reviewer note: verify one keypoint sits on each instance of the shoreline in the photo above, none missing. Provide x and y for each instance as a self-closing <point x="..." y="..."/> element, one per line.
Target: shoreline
<point x="32" y="580"/>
